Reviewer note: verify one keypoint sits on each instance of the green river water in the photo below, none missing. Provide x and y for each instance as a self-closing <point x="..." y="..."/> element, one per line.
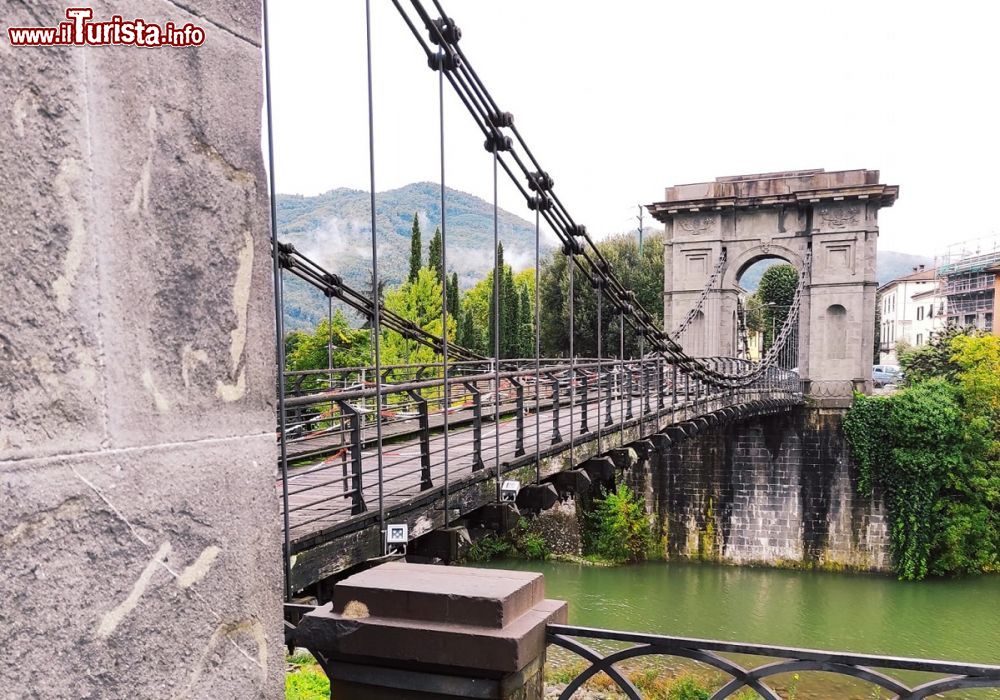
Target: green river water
<point x="935" y="619"/>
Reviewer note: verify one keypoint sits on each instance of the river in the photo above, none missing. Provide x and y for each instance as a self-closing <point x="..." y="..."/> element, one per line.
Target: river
<point x="953" y="619"/>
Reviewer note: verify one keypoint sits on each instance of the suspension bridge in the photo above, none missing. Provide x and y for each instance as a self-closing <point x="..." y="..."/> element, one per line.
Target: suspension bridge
<point x="363" y="447"/>
<point x="140" y="484"/>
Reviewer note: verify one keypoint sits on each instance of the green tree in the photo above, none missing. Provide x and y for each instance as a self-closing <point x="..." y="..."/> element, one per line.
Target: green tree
<point x="776" y="292"/>
<point x="517" y="314"/>
<point x="434" y="255"/>
<point x="935" y="359"/>
<point x="642" y="274"/>
<point x="467" y="335"/>
<point x="510" y="311"/>
<point x="526" y="324"/>
<point x="416" y="256"/>
<point x="754" y="313"/>
<point x="349" y="347"/>
<point x="476" y="303"/>
<point x="495" y="294"/>
<point x="420" y="302"/>
<point x="453" y="303"/>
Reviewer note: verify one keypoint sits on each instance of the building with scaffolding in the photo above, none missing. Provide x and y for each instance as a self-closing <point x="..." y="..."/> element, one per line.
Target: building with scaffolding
<point x="967" y="276"/>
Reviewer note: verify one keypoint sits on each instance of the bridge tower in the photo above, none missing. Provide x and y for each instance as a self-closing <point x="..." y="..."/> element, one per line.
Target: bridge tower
<point x="780" y="215"/>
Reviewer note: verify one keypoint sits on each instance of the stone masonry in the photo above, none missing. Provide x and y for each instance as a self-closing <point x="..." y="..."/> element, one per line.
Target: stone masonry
<point x="140" y="547"/>
<point x="779" y="490"/>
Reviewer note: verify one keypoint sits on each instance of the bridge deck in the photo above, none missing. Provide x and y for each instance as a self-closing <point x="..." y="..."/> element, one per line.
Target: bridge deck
<point x="320" y="496"/>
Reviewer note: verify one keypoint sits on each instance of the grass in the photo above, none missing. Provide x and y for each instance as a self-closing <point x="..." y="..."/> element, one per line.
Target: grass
<point x="652" y="683"/>
<point x="304" y="679"/>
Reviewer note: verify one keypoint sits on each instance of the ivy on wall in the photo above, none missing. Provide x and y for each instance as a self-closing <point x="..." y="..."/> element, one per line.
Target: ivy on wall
<point x="933" y="451"/>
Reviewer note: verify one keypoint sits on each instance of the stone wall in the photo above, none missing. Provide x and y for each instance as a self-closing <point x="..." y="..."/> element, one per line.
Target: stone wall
<point x="778" y="490"/>
<point x="560" y="527"/>
<point x="139" y="531"/>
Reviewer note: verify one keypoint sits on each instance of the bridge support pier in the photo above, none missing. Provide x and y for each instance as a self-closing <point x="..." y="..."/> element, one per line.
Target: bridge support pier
<point x="415" y="632"/>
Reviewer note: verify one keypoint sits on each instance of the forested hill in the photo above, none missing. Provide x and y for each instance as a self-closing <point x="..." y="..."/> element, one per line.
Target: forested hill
<point x="334" y="229"/>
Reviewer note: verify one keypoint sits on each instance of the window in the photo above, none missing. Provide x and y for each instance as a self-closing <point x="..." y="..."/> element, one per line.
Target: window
<point x="920" y="315"/>
<point x="930" y="311"/>
<point x="920" y="338"/>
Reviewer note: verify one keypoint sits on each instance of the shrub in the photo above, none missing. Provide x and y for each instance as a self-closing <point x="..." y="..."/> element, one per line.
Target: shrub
<point x="617" y="529"/>
<point x="519" y="543"/>
<point x="688" y="689"/>
<point x="933" y="450"/>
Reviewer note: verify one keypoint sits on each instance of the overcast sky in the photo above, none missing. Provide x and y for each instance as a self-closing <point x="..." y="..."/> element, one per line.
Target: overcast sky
<point x="619" y="100"/>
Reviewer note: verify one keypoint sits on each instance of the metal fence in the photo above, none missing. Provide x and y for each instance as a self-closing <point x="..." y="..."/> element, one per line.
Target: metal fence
<point x="757" y="663"/>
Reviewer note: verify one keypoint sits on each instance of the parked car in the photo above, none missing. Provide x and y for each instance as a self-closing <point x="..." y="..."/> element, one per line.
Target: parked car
<point x="886" y="375"/>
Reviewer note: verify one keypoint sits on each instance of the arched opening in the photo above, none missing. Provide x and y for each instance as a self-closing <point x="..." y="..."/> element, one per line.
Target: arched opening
<point x="836" y="332"/>
<point x="766" y="285"/>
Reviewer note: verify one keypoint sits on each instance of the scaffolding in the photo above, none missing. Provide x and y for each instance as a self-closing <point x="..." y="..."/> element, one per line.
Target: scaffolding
<point x="963" y="279"/>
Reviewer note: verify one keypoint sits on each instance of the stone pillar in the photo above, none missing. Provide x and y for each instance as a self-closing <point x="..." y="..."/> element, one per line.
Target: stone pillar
<point x="413" y="631"/>
<point x="139" y="530"/>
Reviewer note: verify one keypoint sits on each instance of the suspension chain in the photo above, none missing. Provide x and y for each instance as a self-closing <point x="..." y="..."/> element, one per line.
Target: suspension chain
<point x="445" y="54"/>
<point x="693" y="313"/>
<point x="333" y="286"/>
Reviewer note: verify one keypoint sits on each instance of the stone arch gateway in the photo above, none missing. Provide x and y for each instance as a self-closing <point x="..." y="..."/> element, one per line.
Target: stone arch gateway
<point x="783" y="215"/>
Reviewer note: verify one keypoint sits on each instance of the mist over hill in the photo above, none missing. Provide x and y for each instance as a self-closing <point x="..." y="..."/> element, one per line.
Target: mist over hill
<point x="334" y="229"/>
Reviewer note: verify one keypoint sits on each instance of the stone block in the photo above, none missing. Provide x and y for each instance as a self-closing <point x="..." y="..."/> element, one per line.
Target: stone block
<point x="573" y="481"/>
<point x="457" y="642"/>
<point x="623" y="457"/>
<point x="479" y="597"/>
<point x="600" y="469"/>
<point x="537" y="497"/>
<point x="183" y="237"/>
<point x="50" y="360"/>
<point x="141" y="570"/>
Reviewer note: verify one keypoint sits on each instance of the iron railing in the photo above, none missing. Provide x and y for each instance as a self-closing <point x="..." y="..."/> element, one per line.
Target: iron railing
<point x="765" y="663"/>
<point x="330" y="422"/>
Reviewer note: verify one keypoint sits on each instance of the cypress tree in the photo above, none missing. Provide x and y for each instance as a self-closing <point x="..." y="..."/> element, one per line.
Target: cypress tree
<point x="415" y="254"/>
<point x="434" y="256"/>
<point x="467" y="331"/>
<point x="453" y="294"/>
<point x="494" y="294"/>
<point x="526" y="330"/>
<point x="509" y="312"/>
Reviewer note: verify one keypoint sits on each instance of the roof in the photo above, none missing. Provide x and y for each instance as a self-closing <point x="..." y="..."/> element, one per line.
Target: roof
<point x="925" y="275"/>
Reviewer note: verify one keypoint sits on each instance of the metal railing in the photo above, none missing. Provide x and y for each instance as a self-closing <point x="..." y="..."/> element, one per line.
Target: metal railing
<point x="330" y="421"/>
<point x="765" y="663"/>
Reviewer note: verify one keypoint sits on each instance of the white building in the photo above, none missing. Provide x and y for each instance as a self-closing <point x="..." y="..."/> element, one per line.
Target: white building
<point x="912" y="308"/>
